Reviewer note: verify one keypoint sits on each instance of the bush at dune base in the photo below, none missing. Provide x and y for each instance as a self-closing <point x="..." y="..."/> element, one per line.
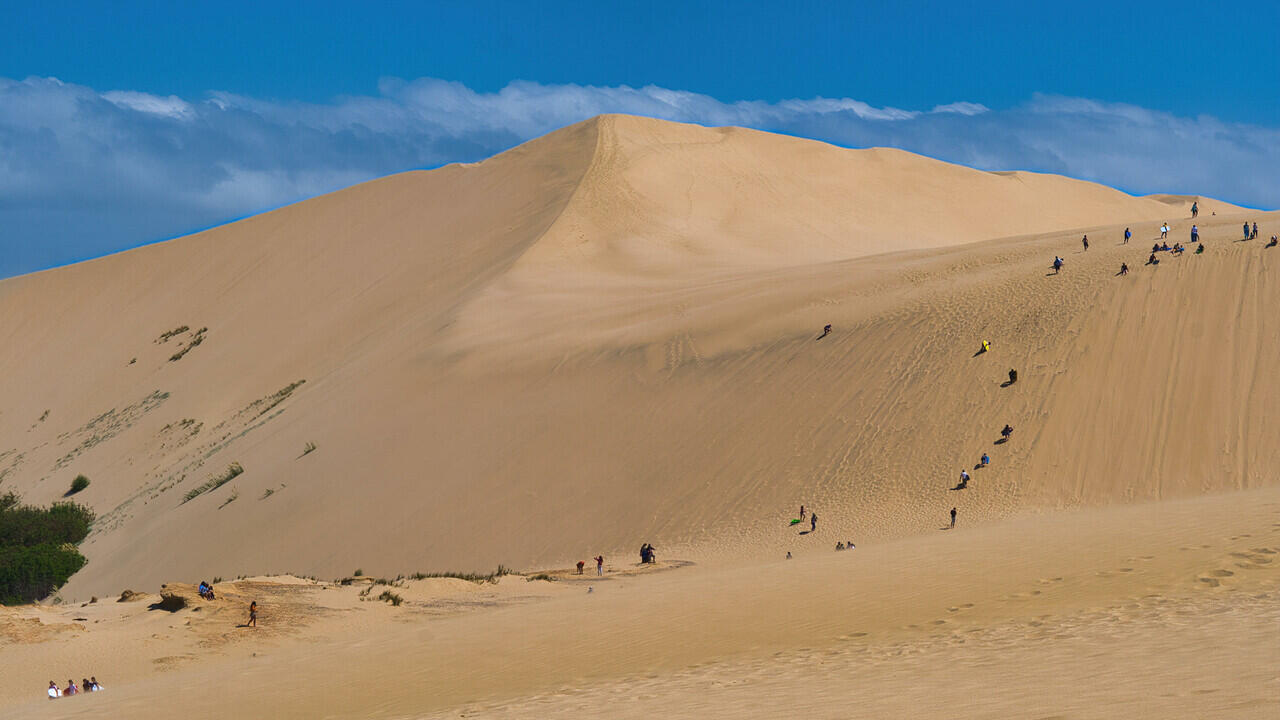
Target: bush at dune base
<point x="38" y="547"/>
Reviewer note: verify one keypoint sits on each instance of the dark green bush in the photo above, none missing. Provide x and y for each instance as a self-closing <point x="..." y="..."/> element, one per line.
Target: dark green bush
<point x="81" y="482"/>
<point x="30" y="573"/>
<point x="37" y="547"/>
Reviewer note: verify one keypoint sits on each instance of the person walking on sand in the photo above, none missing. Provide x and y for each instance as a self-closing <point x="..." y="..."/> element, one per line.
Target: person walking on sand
<point x="801" y="512"/>
<point x="253" y="614"/>
<point x="1195" y="209"/>
<point x="599" y="565"/>
<point x="1006" y="432"/>
<point x="1254" y="235"/>
<point x="1057" y="264"/>
<point x="1124" y="268"/>
<point x="1164" y="230"/>
<point x="813" y="521"/>
<point x="964" y="480"/>
<point x="1085" y="241"/>
<point x="1246" y="231"/>
<point x="1127" y="235"/>
<point x="826" y="330"/>
<point x="953" y="517"/>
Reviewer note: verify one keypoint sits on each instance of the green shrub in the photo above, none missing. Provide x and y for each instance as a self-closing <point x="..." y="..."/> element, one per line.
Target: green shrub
<point x="81" y="482"/>
<point x="38" y="547"/>
<point x="391" y="597"/>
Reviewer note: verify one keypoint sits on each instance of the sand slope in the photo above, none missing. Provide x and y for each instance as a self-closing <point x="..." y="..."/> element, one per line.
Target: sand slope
<point x="606" y="336"/>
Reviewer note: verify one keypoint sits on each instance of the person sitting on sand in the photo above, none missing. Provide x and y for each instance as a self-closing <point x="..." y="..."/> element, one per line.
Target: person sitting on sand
<point x="1006" y="432"/>
<point x="1273" y="242"/>
<point x="1155" y="248"/>
<point x="1152" y="260"/>
<point x="848" y="544"/>
<point x="985" y="461"/>
<point x="986" y="345"/>
<point x="1177" y="248"/>
<point x="54" y="692"/>
<point x="1200" y="248"/>
<point x="94" y="682"/>
<point x="1164" y="247"/>
<point x="839" y="545"/>
<point x="71" y="688"/>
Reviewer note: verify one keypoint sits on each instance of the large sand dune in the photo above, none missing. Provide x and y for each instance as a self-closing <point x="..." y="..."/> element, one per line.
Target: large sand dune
<point x="607" y="336"/>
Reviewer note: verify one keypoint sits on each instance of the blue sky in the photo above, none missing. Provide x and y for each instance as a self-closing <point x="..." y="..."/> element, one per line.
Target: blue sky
<point x="132" y="122"/>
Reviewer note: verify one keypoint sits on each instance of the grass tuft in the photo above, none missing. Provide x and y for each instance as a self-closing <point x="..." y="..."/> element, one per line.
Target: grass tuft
<point x="472" y="577"/>
<point x="214" y="483"/>
<point x="81" y="482"/>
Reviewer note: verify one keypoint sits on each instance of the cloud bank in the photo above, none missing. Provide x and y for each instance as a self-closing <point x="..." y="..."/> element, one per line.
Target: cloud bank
<point x="85" y="172"/>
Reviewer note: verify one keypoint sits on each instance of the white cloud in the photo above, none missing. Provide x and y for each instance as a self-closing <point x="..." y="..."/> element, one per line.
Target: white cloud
<point x="172" y="106"/>
<point x="84" y="172"/>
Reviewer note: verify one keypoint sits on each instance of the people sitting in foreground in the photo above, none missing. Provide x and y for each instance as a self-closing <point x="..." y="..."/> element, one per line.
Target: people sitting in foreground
<point x="206" y="590"/>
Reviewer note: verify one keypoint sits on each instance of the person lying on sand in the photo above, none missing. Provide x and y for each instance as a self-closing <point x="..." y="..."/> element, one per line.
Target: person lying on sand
<point x="1270" y="244"/>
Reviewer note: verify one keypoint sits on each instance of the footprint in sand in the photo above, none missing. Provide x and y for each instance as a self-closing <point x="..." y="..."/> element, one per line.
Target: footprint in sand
<point x="1223" y="573"/>
<point x="1125" y="570"/>
<point x="1209" y="581"/>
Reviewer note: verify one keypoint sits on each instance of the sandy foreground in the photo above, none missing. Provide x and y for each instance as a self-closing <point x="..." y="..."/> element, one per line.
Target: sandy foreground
<point x="1167" y="609"/>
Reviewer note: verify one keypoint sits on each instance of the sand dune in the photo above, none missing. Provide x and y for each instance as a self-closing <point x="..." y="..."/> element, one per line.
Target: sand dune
<point x="606" y="336"/>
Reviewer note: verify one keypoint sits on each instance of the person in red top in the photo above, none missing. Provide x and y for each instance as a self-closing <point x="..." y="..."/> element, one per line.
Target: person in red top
<point x="599" y="565"/>
<point x="581" y="564"/>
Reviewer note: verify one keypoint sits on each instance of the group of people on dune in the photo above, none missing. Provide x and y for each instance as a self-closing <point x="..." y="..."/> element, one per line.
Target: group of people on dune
<point x="86" y="685"/>
<point x="1250" y="232"/>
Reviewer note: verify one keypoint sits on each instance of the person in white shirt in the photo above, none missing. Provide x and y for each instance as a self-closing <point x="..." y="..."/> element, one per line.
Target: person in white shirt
<point x="54" y="692"/>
